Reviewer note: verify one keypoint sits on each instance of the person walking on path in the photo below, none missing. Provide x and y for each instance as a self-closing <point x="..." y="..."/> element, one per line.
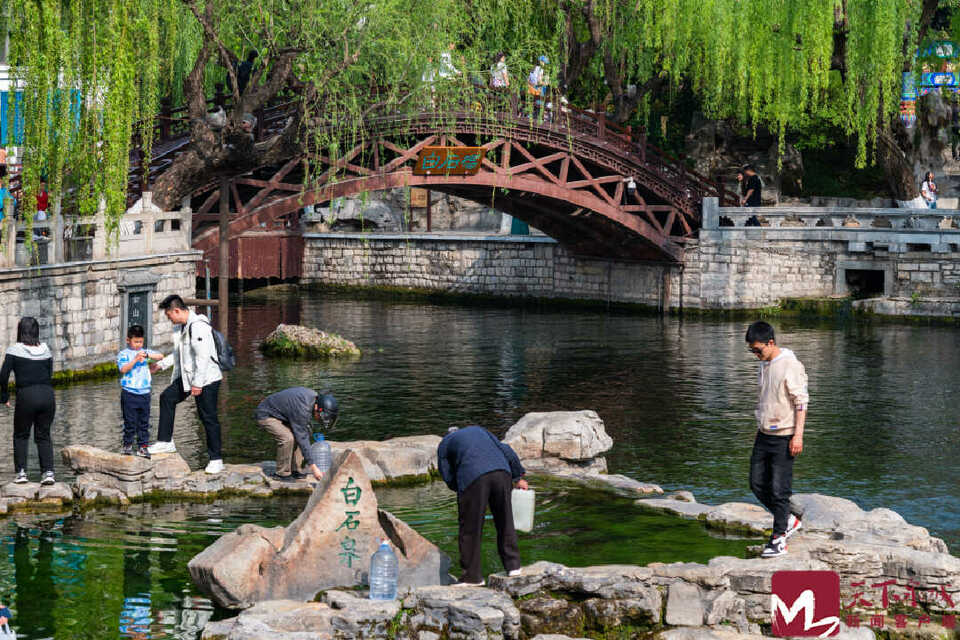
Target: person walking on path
<point x="286" y="416"/>
<point x="31" y="363"/>
<point x="196" y="373"/>
<point x="781" y="413"/>
<point x="751" y="189"/>
<point x="482" y="470"/>
<point x="928" y="189"/>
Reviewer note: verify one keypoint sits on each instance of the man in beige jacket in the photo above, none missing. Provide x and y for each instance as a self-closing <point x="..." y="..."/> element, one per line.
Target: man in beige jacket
<point x="781" y="413"/>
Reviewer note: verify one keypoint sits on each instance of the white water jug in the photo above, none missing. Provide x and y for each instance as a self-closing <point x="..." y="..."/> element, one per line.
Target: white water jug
<point x="523" y="501"/>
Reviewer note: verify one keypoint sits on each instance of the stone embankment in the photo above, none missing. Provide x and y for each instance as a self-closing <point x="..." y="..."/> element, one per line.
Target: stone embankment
<point x="725" y="599"/>
<point x="567" y="444"/>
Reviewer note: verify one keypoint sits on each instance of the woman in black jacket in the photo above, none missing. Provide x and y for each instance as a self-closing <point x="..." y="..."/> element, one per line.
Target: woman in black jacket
<point x="32" y="365"/>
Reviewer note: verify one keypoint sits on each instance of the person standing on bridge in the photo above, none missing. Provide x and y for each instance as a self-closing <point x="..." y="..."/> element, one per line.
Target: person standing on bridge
<point x="929" y="190"/>
<point x="196" y="372"/>
<point x="781" y="414"/>
<point x="751" y="188"/>
<point x="499" y="77"/>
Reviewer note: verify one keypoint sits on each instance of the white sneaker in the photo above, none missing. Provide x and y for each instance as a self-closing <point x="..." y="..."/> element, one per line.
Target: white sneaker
<point x="514" y="573"/>
<point x="214" y="466"/>
<point x="162" y="447"/>
<point x="793" y="525"/>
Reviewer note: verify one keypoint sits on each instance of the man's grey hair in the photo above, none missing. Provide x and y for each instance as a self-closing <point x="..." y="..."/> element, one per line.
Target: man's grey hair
<point x="452" y="429"/>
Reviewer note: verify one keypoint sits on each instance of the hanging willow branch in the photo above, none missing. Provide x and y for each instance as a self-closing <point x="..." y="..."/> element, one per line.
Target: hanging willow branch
<point x="93" y="72"/>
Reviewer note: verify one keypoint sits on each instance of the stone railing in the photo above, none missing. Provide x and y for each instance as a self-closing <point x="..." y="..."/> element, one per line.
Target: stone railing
<point x="861" y="219"/>
<point x="144" y="230"/>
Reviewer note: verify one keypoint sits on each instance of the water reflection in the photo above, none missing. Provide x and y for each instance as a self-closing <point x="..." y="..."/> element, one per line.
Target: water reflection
<point x="677" y="397"/>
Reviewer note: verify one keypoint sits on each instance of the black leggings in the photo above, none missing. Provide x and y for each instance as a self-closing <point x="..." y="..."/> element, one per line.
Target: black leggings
<point x="35" y="408"/>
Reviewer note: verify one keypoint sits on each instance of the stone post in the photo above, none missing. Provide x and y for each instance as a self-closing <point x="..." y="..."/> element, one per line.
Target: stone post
<point x="186" y="223"/>
<point x="9" y="241"/>
<point x="100" y="232"/>
<point x="711" y="213"/>
<point x="149" y="220"/>
<point x="58" y="228"/>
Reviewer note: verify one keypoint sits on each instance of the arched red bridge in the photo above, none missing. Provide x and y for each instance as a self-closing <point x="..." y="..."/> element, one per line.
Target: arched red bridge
<point x="582" y="180"/>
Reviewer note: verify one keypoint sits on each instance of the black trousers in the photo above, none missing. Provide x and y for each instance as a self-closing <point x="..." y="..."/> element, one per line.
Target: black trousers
<point x="35" y="409"/>
<point x="771" y="477"/>
<point x="491" y="489"/>
<point x="206" y="410"/>
<point x="136" y="417"/>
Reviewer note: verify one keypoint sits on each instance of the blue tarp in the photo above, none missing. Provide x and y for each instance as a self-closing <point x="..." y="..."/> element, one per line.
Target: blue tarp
<point x="6" y="136"/>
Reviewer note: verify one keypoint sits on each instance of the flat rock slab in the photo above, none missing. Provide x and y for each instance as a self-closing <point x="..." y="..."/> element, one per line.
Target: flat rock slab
<point x="329" y="545"/>
<point x="740" y="516"/>
<point x="455" y="612"/>
<point x="691" y="510"/>
<point x="33" y="496"/>
<point x="570" y="435"/>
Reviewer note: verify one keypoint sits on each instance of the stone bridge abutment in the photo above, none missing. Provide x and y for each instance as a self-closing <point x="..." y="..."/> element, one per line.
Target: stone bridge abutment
<point x="900" y="262"/>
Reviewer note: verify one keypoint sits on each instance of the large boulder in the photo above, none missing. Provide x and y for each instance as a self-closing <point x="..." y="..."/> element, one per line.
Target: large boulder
<point x="397" y="459"/>
<point x="329" y="545"/>
<point x="569" y="435"/>
<point x="294" y="340"/>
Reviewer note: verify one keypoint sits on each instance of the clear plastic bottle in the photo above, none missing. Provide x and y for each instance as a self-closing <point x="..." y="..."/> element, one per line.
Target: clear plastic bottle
<point x="321" y="453"/>
<point x="384" y="572"/>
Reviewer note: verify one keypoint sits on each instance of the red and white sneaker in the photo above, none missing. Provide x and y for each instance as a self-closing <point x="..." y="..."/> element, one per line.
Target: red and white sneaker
<point x="793" y="525"/>
<point x="776" y="547"/>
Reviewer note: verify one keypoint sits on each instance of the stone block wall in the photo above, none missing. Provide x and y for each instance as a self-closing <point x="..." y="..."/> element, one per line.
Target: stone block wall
<point x="725" y="272"/>
<point x="514" y="266"/>
<point x="78" y="305"/>
<point x="723" y="269"/>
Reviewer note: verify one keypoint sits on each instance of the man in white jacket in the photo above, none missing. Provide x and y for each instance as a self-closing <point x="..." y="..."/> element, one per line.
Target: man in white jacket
<point x="196" y="372"/>
<point x="781" y="415"/>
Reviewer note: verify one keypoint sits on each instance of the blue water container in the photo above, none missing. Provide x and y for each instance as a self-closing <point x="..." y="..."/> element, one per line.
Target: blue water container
<point x="384" y="572"/>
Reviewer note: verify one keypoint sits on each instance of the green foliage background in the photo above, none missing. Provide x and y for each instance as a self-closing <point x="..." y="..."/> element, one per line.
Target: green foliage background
<point x="93" y="71"/>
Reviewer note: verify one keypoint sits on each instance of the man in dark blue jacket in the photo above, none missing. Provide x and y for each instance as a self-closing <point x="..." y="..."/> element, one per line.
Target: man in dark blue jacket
<point x="482" y="470"/>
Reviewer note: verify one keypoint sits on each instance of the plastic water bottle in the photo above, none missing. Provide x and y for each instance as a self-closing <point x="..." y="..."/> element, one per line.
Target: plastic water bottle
<point x="384" y="571"/>
<point x="320" y="453"/>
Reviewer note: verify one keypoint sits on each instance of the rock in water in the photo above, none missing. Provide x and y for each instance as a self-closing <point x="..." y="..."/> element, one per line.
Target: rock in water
<point x="329" y="545"/>
<point x="569" y="435"/>
<point x="296" y="340"/>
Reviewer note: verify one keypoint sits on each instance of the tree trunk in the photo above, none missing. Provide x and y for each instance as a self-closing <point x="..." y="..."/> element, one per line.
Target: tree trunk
<point x="907" y="154"/>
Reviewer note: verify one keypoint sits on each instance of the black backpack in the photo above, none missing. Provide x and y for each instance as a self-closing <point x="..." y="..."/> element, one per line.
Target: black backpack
<point x="226" y="359"/>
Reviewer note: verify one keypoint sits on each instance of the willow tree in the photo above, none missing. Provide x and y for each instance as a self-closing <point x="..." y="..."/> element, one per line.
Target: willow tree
<point x="763" y="62"/>
<point x="93" y="72"/>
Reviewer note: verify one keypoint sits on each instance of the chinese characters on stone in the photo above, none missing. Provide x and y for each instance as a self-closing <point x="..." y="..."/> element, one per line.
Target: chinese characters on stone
<point x="351" y="496"/>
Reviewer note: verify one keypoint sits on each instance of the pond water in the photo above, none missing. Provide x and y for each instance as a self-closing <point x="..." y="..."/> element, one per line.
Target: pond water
<point x="676" y="396"/>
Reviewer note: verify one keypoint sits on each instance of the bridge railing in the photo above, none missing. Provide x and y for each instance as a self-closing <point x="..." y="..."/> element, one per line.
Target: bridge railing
<point x="66" y="238"/>
<point x="720" y="218"/>
<point x="684" y="184"/>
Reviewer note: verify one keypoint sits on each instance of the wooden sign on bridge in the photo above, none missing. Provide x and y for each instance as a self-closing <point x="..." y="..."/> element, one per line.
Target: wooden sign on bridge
<point x="449" y="161"/>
